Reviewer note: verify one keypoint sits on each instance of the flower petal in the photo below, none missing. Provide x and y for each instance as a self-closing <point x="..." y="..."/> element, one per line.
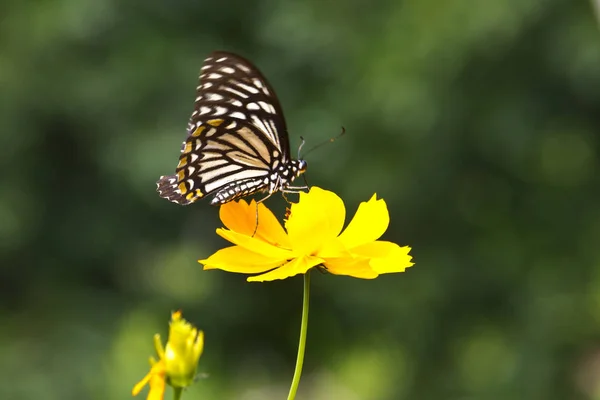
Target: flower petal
<point x="368" y="224"/>
<point x="234" y="216"/>
<point x="356" y="267"/>
<point x="157" y="382"/>
<point x="316" y="219"/>
<point x="240" y="260"/>
<point x="156" y="379"/>
<point x="140" y="385"/>
<point x="333" y="248"/>
<point x="297" y="266"/>
<point x="386" y="257"/>
<point x="242" y="217"/>
<point x="255" y="245"/>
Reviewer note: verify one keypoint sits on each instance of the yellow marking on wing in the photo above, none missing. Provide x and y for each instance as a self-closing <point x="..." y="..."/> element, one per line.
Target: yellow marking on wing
<point x="182" y="188"/>
<point x="181" y="175"/>
<point x="189" y="196"/>
<point x="215" y="122"/>
<point x="199" y="130"/>
<point x="188" y="148"/>
<point x="182" y="162"/>
<point x="199" y="193"/>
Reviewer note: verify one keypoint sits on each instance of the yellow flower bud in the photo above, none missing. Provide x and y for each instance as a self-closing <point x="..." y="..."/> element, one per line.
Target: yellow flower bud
<point x="177" y="362"/>
<point x="183" y="351"/>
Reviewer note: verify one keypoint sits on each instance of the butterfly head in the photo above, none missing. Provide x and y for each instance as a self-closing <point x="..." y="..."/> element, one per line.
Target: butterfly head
<point x="299" y="167"/>
<point x="302" y="165"/>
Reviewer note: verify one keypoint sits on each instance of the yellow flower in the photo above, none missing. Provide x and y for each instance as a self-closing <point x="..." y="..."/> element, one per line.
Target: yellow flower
<point x="177" y="363"/>
<point x="311" y="237"/>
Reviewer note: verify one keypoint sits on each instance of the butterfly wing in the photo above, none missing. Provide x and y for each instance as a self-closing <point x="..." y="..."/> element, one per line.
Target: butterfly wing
<point x="236" y="134"/>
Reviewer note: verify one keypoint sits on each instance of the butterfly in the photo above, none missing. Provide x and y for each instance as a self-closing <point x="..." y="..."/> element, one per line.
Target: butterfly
<point x="237" y="142"/>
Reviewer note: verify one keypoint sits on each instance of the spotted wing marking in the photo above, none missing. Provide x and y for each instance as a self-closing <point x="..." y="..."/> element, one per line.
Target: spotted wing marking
<point x="237" y="138"/>
<point x="230" y="85"/>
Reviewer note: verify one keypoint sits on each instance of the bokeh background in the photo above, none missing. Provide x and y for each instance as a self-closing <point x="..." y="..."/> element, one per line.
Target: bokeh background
<point x="477" y="122"/>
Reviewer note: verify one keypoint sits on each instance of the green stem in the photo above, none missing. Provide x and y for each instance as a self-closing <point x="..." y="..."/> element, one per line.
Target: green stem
<point x="302" y="342"/>
<point x="177" y="393"/>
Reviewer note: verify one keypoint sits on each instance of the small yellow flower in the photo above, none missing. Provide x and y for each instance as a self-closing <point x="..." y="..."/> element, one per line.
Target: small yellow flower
<point x="177" y="363"/>
<point x="183" y="351"/>
<point x="312" y="236"/>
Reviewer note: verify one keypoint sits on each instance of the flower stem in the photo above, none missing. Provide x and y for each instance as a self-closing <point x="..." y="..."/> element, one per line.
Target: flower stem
<point x="177" y="393"/>
<point x="302" y="342"/>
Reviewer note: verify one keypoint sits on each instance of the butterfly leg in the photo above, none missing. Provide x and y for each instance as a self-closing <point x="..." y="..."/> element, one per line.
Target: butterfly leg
<point x="256" y="225"/>
<point x="292" y="189"/>
<point x="259" y="201"/>
<point x="305" y="180"/>
<point x="264" y="198"/>
<point x="295" y="189"/>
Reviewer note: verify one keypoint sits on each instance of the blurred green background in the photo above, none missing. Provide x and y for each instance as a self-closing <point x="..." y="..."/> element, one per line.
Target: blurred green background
<point x="477" y="122"/>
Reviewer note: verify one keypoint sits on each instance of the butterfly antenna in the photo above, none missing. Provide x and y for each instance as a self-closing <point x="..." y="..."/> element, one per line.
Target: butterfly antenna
<point x="301" y="146"/>
<point x="330" y="140"/>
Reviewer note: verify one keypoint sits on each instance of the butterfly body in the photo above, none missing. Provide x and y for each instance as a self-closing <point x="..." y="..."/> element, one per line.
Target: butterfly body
<point x="237" y="142"/>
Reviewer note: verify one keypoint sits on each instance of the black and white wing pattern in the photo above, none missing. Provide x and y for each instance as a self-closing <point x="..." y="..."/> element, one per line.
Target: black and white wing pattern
<point x="237" y="141"/>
